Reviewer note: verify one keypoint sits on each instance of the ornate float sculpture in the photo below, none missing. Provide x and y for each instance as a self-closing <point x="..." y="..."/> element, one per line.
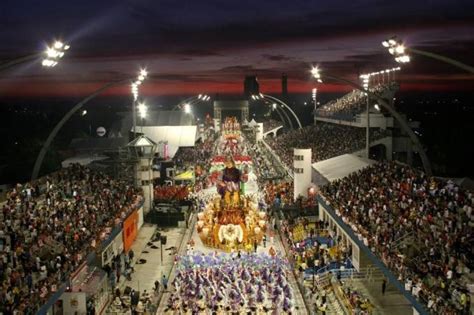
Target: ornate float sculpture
<point x="232" y="221"/>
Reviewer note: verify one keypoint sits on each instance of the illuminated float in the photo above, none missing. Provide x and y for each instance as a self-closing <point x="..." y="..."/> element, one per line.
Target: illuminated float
<point x="231" y="220"/>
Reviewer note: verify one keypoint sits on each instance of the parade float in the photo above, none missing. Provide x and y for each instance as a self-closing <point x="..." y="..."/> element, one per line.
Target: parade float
<point x="231" y="219"/>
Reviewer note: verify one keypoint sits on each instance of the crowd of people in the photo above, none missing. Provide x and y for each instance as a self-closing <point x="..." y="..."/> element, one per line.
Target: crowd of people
<point x="264" y="164"/>
<point x="351" y="104"/>
<point x="241" y="283"/>
<point x="271" y="124"/>
<point x="325" y="139"/>
<point x="346" y="107"/>
<point x="171" y="193"/>
<point x="389" y="201"/>
<point x="279" y="194"/>
<point x="315" y="249"/>
<point x="202" y="151"/>
<point x="47" y="230"/>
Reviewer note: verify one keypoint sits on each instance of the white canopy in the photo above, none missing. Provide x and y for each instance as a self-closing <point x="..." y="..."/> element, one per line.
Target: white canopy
<point x="341" y="166"/>
<point x="175" y="136"/>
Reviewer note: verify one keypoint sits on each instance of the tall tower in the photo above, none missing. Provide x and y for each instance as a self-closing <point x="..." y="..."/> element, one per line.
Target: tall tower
<point x="301" y="172"/>
<point x="251" y="86"/>
<point x="284" y="85"/>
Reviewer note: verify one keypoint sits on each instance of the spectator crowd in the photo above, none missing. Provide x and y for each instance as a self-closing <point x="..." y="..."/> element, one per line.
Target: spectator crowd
<point x="190" y="155"/>
<point x="47" y="229"/>
<point x="264" y="164"/>
<point x="388" y="202"/>
<point x="271" y="124"/>
<point x="351" y="104"/>
<point x="325" y="139"/>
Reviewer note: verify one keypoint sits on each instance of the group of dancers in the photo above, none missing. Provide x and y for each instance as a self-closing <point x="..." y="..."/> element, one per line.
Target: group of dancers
<point x="240" y="283"/>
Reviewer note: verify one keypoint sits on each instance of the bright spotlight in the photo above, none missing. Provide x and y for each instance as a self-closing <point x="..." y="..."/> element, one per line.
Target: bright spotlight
<point x="187" y="108"/>
<point x="377" y="107"/>
<point x="142" y="110"/>
<point x="400" y="49"/>
<point x="58" y="44"/>
<point x="385" y="44"/>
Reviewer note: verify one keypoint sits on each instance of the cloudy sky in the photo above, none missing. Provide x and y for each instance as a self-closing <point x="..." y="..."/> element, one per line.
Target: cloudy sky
<point x="209" y="46"/>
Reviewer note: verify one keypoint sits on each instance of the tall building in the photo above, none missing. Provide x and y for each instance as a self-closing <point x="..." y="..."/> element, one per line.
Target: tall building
<point x="251" y="86"/>
<point x="284" y="85"/>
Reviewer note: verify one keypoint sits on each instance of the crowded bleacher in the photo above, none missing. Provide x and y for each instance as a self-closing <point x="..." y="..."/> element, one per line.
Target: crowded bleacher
<point x="325" y="139"/>
<point x="271" y="124"/>
<point x="351" y="104"/>
<point x="264" y="164"/>
<point x="50" y="227"/>
<point x="190" y="155"/>
<point x="387" y="202"/>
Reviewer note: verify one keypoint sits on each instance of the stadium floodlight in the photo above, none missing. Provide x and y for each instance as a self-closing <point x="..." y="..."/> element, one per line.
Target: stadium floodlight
<point x="396" y="48"/>
<point x="315" y="72"/>
<point x="53" y="53"/>
<point x="187" y="108"/>
<point x="142" y="110"/>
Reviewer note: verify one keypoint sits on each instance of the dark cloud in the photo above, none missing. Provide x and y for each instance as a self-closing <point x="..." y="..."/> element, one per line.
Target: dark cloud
<point x="276" y="57"/>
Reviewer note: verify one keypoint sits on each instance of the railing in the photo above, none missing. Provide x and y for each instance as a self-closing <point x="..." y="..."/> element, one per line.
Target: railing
<point x="374" y="259"/>
<point x="301" y="287"/>
<point x="89" y="259"/>
<point x="179" y="251"/>
<point x="287" y="169"/>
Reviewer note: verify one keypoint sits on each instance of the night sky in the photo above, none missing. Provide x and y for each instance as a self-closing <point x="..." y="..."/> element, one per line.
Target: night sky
<point x="209" y="46"/>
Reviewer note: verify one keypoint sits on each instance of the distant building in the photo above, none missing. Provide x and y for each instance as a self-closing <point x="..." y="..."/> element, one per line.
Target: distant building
<point x="284" y="85"/>
<point x="251" y="86"/>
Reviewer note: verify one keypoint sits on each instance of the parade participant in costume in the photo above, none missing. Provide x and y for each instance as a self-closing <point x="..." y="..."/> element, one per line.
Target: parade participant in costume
<point x="230" y="185"/>
<point x="245" y="178"/>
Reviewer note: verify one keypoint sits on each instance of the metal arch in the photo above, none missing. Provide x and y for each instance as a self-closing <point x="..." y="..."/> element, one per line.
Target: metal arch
<point x="59" y="125"/>
<point x="397" y="116"/>
<point x="279" y="112"/>
<point x="451" y="61"/>
<point x="286" y="106"/>
<point x="9" y="64"/>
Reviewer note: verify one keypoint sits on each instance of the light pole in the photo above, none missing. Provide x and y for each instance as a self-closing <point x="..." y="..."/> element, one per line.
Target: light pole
<point x="51" y="56"/>
<point x="403" y="124"/>
<point x="366" y="84"/>
<point x="141" y="77"/>
<point x="60" y="124"/>
<point x="142" y="112"/>
<point x="313" y="97"/>
<point x="396" y="47"/>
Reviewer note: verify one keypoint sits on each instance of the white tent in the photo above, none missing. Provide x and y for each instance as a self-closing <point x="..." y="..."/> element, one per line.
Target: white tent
<point x="175" y="136"/>
<point x="340" y="166"/>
